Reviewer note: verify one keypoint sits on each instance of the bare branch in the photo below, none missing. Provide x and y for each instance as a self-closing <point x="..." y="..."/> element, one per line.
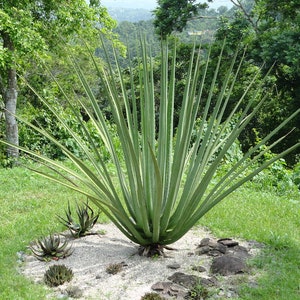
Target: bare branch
<point x="204" y="17"/>
<point x="240" y="6"/>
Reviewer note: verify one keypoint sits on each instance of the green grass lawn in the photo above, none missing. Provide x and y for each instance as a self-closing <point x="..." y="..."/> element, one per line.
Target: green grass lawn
<point x="273" y="220"/>
<point x="30" y="205"/>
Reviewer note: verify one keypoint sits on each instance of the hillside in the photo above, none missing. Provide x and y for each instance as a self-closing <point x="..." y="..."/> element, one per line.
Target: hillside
<point x="135" y="11"/>
<point x="151" y="4"/>
<point x="129" y="14"/>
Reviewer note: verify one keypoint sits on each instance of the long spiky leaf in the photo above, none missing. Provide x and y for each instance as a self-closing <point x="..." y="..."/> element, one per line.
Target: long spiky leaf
<point x="164" y="176"/>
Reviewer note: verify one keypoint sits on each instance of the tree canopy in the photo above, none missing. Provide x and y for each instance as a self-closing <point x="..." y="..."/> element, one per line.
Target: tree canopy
<point x="173" y="15"/>
<point x="271" y="31"/>
<point x="29" y="30"/>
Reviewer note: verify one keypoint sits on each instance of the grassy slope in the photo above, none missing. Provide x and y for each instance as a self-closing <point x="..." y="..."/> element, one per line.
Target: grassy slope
<point x="274" y="220"/>
<point x="29" y="206"/>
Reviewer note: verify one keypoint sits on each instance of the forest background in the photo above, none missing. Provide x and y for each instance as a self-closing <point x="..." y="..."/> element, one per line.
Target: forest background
<point x="267" y="209"/>
<point x="268" y="28"/>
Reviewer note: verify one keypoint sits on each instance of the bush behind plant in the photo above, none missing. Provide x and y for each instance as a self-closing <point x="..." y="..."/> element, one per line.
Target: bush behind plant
<point x="43" y="118"/>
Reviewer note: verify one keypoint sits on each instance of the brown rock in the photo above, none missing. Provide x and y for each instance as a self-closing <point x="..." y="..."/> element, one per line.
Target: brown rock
<point x="202" y="250"/>
<point x="170" y="288"/>
<point x="174" y="266"/>
<point x="198" y="268"/>
<point x="204" y="242"/>
<point x="211" y="281"/>
<point x="221" y="248"/>
<point x="228" y="242"/>
<point x="187" y="281"/>
<point x="228" y="265"/>
<point x="160" y="286"/>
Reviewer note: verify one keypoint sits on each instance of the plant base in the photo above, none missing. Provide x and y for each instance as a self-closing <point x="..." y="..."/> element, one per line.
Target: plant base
<point x="153" y="250"/>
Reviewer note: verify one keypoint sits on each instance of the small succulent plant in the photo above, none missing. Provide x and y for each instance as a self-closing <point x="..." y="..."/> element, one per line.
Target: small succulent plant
<point x="86" y="220"/>
<point x="114" y="268"/>
<point x="152" y="296"/>
<point x="197" y="292"/>
<point x="50" y="247"/>
<point x="57" y="275"/>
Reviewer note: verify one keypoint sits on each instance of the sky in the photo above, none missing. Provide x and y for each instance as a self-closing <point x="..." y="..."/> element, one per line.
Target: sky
<point x="151" y="4"/>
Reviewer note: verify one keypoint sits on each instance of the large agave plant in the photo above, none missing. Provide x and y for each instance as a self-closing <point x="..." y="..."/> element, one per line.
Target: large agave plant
<point x="166" y="178"/>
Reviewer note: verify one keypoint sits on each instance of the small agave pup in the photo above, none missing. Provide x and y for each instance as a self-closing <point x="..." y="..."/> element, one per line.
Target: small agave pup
<point x="57" y="275"/>
<point x="50" y="247"/>
<point x="86" y="220"/>
<point x="166" y="177"/>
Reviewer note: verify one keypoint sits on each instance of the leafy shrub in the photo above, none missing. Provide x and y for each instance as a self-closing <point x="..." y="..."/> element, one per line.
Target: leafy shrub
<point x="5" y="162"/>
<point x="277" y="176"/>
<point x="42" y="118"/>
<point x="296" y="175"/>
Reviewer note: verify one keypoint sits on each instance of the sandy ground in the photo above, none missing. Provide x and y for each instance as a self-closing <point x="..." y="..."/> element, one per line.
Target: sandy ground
<point x="92" y="254"/>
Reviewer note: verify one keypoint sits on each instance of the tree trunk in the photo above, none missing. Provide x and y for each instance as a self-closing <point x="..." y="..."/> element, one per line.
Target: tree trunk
<point x="10" y="94"/>
<point x="12" y="133"/>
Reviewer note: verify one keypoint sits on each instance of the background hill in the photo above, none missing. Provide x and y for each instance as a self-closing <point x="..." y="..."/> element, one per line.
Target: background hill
<point x="151" y="4"/>
<point x="134" y="11"/>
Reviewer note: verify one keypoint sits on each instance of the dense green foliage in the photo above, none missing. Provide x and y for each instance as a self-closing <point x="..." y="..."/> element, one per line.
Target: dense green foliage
<point x="270" y="29"/>
<point x="29" y="31"/>
<point x="173" y="16"/>
<point x="234" y="24"/>
<point x="35" y="26"/>
<point x="271" y="35"/>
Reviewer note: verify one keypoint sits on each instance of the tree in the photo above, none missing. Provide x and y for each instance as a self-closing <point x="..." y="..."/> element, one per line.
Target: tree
<point x="271" y="31"/>
<point x="222" y="10"/>
<point x="29" y="29"/>
<point x="173" y="15"/>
